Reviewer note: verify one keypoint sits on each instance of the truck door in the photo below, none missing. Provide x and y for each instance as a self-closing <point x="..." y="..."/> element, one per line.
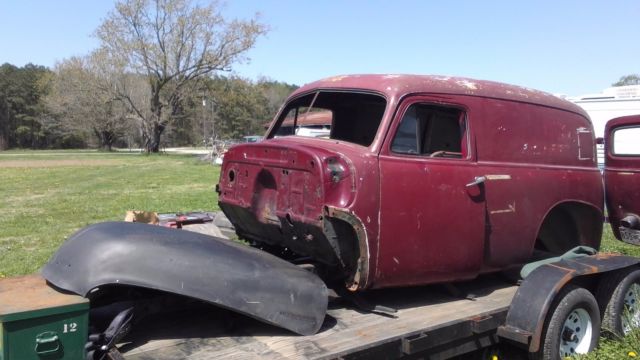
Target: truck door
<point x="431" y="224"/>
<point x="622" y="177"/>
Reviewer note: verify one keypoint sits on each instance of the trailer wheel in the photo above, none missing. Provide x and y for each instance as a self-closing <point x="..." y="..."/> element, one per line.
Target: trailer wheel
<point x="573" y="328"/>
<point x="618" y="295"/>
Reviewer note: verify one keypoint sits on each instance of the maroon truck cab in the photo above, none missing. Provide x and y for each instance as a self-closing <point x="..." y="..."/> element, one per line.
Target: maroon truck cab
<point x="622" y="177"/>
<point x="423" y="179"/>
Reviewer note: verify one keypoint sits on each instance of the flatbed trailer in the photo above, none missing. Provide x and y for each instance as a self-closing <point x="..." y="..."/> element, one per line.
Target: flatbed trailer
<point x="431" y="322"/>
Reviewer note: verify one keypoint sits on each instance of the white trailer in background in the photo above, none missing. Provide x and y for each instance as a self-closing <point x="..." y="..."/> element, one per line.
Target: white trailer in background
<point x="613" y="102"/>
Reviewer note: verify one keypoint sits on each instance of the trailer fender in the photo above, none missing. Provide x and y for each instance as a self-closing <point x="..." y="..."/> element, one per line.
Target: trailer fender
<point x="218" y="271"/>
<point x="531" y="303"/>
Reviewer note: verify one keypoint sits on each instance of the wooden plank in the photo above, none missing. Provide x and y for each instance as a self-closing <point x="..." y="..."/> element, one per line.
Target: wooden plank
<point x="218" y="334"/>
<point x="31" y="293"/>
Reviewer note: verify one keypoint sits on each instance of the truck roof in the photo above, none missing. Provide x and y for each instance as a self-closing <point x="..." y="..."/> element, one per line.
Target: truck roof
<point x="397" y="86"/>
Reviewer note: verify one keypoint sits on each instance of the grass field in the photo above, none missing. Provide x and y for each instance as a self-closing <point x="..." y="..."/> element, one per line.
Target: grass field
<point x="45" y="196"/>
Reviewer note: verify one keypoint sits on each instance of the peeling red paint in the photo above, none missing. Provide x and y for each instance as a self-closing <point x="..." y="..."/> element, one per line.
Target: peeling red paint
<point x="472" y="200"/>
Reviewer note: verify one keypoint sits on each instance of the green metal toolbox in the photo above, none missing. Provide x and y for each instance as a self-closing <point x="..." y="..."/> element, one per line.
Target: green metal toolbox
<point x="38" y="322"/>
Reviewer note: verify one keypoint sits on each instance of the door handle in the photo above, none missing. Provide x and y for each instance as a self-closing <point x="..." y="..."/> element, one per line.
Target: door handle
<point x="481" y="179"/>
<point x="477" y="181"/>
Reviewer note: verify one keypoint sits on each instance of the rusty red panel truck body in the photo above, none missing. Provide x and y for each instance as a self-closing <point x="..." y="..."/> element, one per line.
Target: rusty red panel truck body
<point x="423" y="179"/>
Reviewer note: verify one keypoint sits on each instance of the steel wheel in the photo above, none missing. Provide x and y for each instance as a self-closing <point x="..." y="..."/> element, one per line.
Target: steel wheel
<point x="631" y="317"/>
<point x="576" y="333"/>
<point x="618" y="296"/>
<point x="572" y="326"/>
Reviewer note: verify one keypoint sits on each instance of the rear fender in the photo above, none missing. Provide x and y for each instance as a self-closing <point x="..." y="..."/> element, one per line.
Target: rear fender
<point x="219" y="271"/>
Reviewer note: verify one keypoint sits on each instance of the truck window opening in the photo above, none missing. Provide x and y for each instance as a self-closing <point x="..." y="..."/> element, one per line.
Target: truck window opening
<point x="625" y="141"/>
<point x="346" y="116"/>
<point x="430" y="130"/>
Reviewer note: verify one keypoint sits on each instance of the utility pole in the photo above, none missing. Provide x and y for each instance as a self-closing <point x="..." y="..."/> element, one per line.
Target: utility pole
<point x="204" y="121"/>
<point x="213" y="119"/>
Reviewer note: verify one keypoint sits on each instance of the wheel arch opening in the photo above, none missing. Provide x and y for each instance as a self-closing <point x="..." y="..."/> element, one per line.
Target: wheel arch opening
<point x="347" y="236"/>
<point x="567" y="225"/>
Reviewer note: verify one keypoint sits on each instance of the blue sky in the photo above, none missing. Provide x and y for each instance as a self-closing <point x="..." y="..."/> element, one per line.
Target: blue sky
<point x="568" y="47"/>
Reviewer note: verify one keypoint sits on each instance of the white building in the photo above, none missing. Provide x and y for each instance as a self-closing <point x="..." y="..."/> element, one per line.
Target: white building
<point x="613" y="102"/>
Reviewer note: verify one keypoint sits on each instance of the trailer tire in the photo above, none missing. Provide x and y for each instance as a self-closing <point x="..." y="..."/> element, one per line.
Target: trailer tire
<point x="572" y="328"/>
<point x="618" y="295"/>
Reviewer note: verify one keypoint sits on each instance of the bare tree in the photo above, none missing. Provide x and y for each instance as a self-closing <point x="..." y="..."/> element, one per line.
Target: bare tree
<point x="80" y="99"/>
<point x="171" y="43"/>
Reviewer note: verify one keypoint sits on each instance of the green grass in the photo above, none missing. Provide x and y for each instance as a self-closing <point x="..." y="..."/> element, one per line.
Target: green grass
<point x="45" y="196"/>
<point x="616" y="349"/>
<point x="610" y="244"/>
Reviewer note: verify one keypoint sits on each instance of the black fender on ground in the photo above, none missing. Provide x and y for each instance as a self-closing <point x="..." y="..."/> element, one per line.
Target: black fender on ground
<point x="219" y="271"/>
<point x="531" y="303"/>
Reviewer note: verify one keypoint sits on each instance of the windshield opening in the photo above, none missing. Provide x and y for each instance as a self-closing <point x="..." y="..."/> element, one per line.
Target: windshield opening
<point x="346" y="116"/>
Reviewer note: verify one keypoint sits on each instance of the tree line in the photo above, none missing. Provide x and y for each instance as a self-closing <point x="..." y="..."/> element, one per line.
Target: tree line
<point x="59" y="108"/>
<point x="67" y="107"/>
<point x="155" y="80"/>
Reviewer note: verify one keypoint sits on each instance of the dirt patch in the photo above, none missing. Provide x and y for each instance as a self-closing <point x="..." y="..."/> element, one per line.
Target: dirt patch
<point x="56" y="163"/>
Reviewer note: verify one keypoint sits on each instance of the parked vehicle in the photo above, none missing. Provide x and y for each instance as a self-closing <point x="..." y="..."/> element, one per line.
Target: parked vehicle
<point x="423" y="179"/>
<point x="310" y="124"/>
<point x="622" y="177"/>
<point x="251" y="138"/>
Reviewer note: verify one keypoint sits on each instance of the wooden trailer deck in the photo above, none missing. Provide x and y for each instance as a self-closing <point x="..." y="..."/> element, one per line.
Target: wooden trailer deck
<point x="430" y="321"/>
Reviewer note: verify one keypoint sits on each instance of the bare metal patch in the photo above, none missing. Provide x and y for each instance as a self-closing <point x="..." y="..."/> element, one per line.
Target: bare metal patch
<point x="511" y="208"/>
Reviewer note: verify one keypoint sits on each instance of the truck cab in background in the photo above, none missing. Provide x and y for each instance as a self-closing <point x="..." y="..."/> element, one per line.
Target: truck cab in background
<point x="622" y="177"/>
